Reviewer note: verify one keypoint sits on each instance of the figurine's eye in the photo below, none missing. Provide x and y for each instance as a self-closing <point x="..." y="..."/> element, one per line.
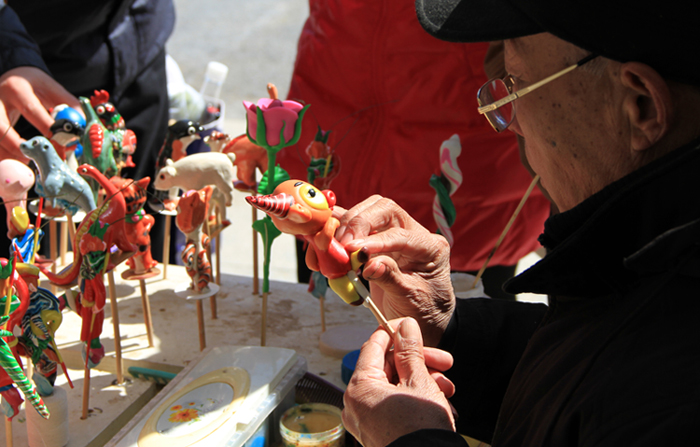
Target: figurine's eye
<point x="313" y="197"/>
<point x="110" y="107"/>
<point x="191" y="131"/>
<point x="68" y="127"/>
<point x="100" y="110"/>
<point x="162" y="176"/>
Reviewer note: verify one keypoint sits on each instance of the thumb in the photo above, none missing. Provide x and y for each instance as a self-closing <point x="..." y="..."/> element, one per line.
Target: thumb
<point x="408" y="354"/>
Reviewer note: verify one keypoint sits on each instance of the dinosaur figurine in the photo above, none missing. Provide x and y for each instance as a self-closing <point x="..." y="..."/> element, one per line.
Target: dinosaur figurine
<point x="56" y="182"/>
<point x="101" y="229"/>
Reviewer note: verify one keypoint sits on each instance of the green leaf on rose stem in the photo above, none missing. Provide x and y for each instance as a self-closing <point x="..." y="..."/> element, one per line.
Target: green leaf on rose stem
<point x="280" y="176"/>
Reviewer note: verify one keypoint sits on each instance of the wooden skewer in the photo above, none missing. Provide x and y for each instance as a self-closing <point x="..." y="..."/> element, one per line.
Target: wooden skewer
<point x="166" y="246"/>
<point x="146" y="304"/>
<point x="8" y="432"/>
<point x="115" y="326"/>
<point x="263" y="322"/>
<point x="256" y="279"/>
<point x="323" y="314"/>
<point x="368" y="303"/>
<point x="507" y="228"/>
<point x="200" y="324"/>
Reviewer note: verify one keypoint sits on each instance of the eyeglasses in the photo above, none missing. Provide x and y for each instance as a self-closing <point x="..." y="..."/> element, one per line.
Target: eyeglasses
<point x="496" y="96"/>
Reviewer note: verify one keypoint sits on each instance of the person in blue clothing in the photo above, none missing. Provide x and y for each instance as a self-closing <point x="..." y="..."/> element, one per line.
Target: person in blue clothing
<point x="53" y="52"/>
<point x="608" y="102"/>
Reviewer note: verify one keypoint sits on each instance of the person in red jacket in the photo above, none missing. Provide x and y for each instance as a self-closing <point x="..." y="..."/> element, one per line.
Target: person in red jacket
<point x="390" y="94"/>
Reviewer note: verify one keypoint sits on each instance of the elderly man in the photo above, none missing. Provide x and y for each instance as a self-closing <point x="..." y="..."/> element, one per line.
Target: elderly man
<point x="609" y="108"/>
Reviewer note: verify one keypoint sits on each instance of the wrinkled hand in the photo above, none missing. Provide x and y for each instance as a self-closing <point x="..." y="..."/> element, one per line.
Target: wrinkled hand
<point x="395" y="393"/>
<point x="409" y="264"/>
<point x="29" y="92"/>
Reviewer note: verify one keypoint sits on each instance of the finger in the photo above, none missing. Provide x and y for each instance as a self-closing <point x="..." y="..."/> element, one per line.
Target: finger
<point x="9" y="143"/>
<point x="370" y="363"/>
<point x="418" y="250"/>
<point x="373" y="215"/>
<point x="437" y="359"/>
<point x="34" y="111"/>
<point x="351" y="214"/>
<point x="408" y="354"/>
<point x="445" y="384"/>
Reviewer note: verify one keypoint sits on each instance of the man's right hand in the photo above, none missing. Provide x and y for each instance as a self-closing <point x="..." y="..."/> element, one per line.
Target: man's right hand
<point x="409" y="264"/>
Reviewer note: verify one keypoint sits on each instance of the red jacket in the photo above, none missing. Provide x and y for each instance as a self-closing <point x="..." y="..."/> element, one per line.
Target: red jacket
<point x="391" y="94"/>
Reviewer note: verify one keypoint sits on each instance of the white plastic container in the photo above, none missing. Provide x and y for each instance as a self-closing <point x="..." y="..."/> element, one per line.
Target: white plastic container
<point x="226" y="399"/>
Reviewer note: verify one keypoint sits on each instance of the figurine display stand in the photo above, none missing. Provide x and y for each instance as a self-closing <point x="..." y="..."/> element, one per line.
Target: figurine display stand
<point x="131" y="275"/>
<point x="184" y="291"/>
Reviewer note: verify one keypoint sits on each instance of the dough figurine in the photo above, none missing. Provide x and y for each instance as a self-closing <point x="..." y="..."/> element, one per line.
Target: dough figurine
<point x="68" y="127"/>
<point x="101" y="229"/>
<point x="62" y="187"/>
<point x="324" y="163"/>
<point x="298" y="208"/>
<point x="197" y="171"/>
<point x="138" y="223"/>
<point x="22" y="234"/>
<point x="14" y="303"/>
<point x="123" y="139"/>
<point x="39" y="324"/>
<point x="180" y="135"/>
<point x="192" y="210"/>
<point x="249" y="157"/>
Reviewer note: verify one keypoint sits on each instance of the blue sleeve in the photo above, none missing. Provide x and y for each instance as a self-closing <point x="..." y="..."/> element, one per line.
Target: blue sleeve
<point x="17" y="48"/>
<point x="486" y="337"/>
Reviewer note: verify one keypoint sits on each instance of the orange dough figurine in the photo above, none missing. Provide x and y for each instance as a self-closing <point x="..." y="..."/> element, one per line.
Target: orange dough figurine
<point x="299" y="208"/>
<point x="138" y="223"/>
<point x="192" y="211"/>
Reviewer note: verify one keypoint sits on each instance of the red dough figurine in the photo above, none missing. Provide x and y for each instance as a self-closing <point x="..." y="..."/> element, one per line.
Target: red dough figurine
<point x="299" y="208"/>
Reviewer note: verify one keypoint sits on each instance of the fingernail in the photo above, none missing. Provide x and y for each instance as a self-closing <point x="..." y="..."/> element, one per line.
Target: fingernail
<point x="408" y="334"/>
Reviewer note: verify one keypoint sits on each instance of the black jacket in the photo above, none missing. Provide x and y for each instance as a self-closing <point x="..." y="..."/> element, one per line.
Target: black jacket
<point x="85" y="44"/>
<point x="615" y="359"/>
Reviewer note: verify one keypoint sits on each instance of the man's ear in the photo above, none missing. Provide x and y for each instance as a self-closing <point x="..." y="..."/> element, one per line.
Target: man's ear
<point x="648" y="104"/>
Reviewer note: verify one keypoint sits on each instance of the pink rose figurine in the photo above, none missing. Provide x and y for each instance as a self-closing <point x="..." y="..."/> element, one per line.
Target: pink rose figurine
<point x="272" y="123"/>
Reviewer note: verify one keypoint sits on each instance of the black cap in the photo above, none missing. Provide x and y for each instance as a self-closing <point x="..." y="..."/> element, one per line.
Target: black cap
<point x="661" y="34"/>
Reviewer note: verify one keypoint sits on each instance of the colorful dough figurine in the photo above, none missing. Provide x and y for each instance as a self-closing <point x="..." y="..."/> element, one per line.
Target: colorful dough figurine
<point x="192" y="211"/>
<point x="68" y="127"/>
<point x="39" y="324"/>
<point x="123" y="139"/>
<point x="14" y="302"/>
<point x="138" y="223"/>
<point x="23" y="236"/>
<point x="299" y="208"/>
<point x="324" y="163"/>
<point x="101" y="229"/>
<point x="197" y="171"/>
<point x="62" y="187"/>
<point x="249" y="157"/>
